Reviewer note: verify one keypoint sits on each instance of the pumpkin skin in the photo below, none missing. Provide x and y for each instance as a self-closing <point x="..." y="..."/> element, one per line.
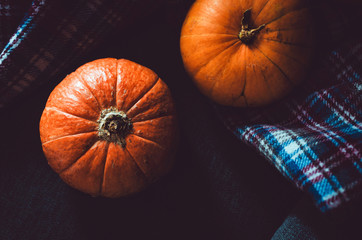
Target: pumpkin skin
<point x="90" y="144"/>
<point x="240" y="73"/>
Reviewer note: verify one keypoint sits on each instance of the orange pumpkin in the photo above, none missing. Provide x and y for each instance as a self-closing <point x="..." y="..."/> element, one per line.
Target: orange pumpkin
<point x="109" y="128"/>
<point x="247" y="52"/>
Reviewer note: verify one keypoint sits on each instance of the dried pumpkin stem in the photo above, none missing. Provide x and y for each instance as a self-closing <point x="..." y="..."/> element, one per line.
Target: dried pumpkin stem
<point x="246" y="35"/>
<point x="114" y="126"/>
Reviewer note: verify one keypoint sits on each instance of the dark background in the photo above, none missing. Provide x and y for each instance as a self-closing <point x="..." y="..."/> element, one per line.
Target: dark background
<point x="218" y="189"/>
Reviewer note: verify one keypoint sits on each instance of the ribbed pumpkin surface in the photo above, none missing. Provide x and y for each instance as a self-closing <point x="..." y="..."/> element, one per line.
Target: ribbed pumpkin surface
<point x="236" y="73"/>
<point x="103" y="93"/>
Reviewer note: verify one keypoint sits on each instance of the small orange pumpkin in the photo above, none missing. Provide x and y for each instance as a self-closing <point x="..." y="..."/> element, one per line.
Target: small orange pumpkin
<point x="247" y="52"/>
<point x="109" y="128"/>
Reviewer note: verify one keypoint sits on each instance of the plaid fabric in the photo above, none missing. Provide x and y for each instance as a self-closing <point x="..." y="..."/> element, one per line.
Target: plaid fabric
<point x="313" y="137"/>
<point x="55" y="35"/>
<point x="11" y="13"/>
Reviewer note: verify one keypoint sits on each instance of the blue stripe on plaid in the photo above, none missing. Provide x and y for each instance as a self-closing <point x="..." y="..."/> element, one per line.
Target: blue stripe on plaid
<point x="294" y="157"/>
<point x="22" y="31"/>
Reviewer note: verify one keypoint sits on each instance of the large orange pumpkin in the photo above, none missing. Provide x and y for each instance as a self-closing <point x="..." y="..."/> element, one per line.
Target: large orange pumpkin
<point x="109" y="128"/>
<point x="247" y="52"/>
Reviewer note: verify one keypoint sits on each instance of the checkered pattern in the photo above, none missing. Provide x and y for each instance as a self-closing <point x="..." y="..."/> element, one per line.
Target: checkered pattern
<point x="314" y="137"/>
<point x="55" y="35"/>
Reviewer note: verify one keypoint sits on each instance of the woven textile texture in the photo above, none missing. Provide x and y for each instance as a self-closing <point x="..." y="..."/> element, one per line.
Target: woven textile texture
<point x="313" y="137"/>
<point x="54" y="35"/>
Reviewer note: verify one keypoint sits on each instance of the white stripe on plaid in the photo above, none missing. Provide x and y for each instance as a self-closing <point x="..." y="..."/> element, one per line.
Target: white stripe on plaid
<point x="21" y="33"/>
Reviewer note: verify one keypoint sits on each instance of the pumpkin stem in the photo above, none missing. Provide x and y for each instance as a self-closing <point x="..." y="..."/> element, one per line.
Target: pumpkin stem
<point x="246" y="35"/>
<point x="114" y="126"/>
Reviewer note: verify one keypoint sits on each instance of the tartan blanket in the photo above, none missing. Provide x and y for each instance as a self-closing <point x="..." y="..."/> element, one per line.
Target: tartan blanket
<point x="53" y="36"/>
<point x="313" y="137"/>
